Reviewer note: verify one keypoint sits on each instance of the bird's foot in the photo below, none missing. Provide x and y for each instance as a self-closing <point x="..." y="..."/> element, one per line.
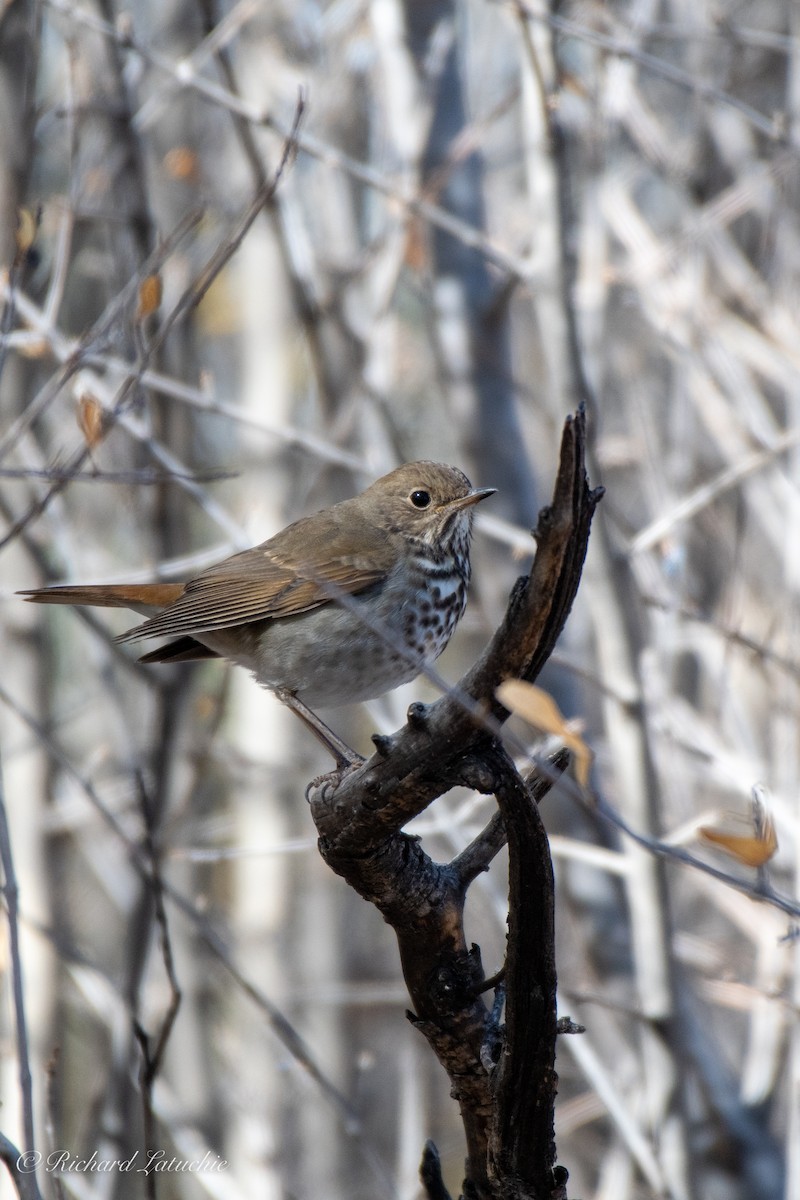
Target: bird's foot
<point x="331" y="781"/>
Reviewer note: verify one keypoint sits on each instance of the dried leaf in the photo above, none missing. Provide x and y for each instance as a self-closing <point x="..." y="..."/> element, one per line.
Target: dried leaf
<point x="752" y="850"/>
<point x="35" y="348"/>
<point x="416" y="254"/>
<point x="91" y="419"/>
<point x="540" y="710"/>
<point x="27" y="224"/>
<point x="149" y="296"/>
<point x="182" y="163"/>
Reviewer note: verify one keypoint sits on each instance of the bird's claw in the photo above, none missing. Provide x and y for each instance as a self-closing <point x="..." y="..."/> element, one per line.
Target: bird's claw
<point x="331" y="780"/>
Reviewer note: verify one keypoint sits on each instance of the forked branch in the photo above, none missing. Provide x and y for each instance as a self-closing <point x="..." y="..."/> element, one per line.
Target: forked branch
<point x="503" y="1076"/>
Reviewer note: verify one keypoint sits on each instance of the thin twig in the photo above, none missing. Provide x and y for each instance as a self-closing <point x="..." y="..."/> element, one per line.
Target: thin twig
<point x="152" y="1056"/>
<point x="66" y="225"/>
<point x="140" y="478"/>
<point x="11" y="895"/>
<point x="20" y="1166"/>
<point x="763" y="893"/>
<point x="707" y="493"/>
<point x="213" y="939"/>
<point x="189" y="299"/>
<point x="685" y="80"/>
<point x="222" y="255"/>
<point x="309" y="144"/>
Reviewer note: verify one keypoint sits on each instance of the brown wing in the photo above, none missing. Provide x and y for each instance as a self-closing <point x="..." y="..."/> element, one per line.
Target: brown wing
<point x="266" y="582"/>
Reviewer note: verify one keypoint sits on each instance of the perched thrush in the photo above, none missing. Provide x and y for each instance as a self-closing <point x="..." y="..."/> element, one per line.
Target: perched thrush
<point x="340" y="606"/>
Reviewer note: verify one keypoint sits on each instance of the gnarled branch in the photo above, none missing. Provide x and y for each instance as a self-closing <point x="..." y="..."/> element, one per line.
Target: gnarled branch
<point x="503" y="1077"/>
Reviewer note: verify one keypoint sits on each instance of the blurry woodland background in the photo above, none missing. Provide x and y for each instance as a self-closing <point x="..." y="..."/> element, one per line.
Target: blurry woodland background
<point x="493" y="211"/>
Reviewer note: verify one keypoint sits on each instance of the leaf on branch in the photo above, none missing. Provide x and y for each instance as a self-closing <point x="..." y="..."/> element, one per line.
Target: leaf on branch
<point x="540" y="710"/>
<point x="37" y="347"/>
<point x="27" y="225"/>
<point x="754" y="849"/>
<point x="91" y="419"/>
<point x="417" y="254"/>
<point x="182" y="164"/>
<point x="149" y="296"/>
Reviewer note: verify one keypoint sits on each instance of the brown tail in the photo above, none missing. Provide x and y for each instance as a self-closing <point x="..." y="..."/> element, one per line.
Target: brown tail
<point x="141" y="597"/>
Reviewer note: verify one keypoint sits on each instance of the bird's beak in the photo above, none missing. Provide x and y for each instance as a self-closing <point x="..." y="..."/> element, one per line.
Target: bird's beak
<point x="473" y="497"/>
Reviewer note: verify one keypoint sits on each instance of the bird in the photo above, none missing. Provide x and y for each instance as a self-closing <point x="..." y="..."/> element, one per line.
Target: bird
<point x="338" y="607"/>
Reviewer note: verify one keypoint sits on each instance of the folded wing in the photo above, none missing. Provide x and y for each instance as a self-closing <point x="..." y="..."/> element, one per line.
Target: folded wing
<point x="256" y="586"/>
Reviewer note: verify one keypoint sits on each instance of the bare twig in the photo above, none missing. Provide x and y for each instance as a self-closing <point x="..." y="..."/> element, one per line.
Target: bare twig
<point x="20" y="1167"/>
<point x="152" y="1055"/>
<point x="142" y="478"/>
<point x="97" y="334"/>
<point x="25" y="1182"/>
<point x="616" y="45"/>
<point x="187" y="301"/>
<point x="214" y="940"/>
<point x="761" y="891"/>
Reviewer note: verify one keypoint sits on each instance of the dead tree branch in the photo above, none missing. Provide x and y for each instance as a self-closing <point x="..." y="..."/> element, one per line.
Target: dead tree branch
<point x="503" y="1077"/>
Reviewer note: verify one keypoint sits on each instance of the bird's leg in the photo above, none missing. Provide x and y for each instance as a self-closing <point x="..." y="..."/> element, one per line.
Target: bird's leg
<point x="344" y="757"/>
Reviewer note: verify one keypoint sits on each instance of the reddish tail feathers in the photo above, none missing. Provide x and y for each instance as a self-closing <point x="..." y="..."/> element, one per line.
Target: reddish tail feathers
<point x="138" y="596"/>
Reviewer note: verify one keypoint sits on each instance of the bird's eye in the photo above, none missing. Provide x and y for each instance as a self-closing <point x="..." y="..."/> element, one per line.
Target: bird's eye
<point x="420" y="499"/>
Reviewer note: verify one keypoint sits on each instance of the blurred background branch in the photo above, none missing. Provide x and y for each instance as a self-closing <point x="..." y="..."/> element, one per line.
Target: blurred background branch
<point x="495" y="210"/>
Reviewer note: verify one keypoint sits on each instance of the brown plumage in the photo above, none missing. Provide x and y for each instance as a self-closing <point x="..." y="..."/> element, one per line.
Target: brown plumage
<point x="401" y="547"/>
